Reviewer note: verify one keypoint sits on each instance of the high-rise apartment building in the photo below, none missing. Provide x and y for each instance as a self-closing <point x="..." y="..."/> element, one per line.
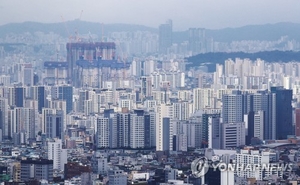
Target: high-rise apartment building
<point x="57" y="154"/>
<point x="38" y="93"/>
<point x="24" y="124"/>
<point x="16" y="96"/>
<point x="203" y="98"/>
<point x="166" y="134"/>
<point x="4" y="118"/>
<point x="259" y="124"/>
<point x="27" y="74"/>
<point x="122" y="122"/>
<point x="265" y="101"/>
<point x="65" y="93"/>
<point x="134" y="129"/>
<point x="54" y="124"/>
<point x="214" y="131"/>
<point x="103" y="132"/>
<point x="164" y="114"/>
<point x="137" y="129"/>
<point x="165" y="36"/>
<point x="232" y="108"/>
<point x="197" y="40"/>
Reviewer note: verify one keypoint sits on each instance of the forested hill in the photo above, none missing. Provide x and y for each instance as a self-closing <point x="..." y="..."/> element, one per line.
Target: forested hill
<point x="211" y="59"/>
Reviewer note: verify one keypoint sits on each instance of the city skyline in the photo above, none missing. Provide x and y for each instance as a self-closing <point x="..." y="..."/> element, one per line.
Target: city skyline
<point x="184" y="14"/>
<point x="114" y="104"/>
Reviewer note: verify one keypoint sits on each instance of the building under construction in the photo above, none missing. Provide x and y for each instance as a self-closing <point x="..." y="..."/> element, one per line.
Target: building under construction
<point x="93" y="73"/>
<point x="88" y="51"/>
<point x="55" y="72"/>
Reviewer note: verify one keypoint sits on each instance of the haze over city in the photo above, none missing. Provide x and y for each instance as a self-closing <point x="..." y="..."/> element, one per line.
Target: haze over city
<point x="185" y="14"/>
<point x="161" y="92"/>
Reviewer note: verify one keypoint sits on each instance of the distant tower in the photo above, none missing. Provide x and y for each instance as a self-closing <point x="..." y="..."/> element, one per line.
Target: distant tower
<point x="165" y="36"/>
<point x="196" y="40"/>
<point x="27" y="75"/>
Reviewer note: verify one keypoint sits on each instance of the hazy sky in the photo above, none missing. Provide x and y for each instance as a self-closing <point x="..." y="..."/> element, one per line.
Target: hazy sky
<point x="184" y="13"/>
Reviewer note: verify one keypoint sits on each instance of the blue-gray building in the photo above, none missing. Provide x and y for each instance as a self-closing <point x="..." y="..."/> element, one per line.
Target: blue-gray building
<point x="64" y="93"/>
<point x="284" y="112"/>
<point x="166" y="134"/>
<point x="19" y="96"/>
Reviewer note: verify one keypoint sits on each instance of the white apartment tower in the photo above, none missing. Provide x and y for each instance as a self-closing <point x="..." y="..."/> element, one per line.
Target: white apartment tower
<point x="259" y="124"/>
<point x="57" y="154"/>
<point x="24" y="123"/>
<point x="102" y="135"/>
<point x="136" y="131"/>
<point x="163" y="111"/>
<point x="152" y="128"/>
<point x="203" y="98"/>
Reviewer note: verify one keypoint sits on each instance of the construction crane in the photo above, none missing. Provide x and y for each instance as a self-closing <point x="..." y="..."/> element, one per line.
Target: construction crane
<point x="70" y="37"/>
<point x="71" y="40"/>
<point x="76" y="30"/>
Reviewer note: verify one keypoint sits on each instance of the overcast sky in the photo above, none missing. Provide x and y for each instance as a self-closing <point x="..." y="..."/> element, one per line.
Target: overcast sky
<point x="212" y="14"/>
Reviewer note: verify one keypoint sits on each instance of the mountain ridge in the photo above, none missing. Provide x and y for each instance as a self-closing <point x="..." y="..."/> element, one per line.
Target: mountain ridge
<point x="211" y="59"/>
<point x="268" y="32"/>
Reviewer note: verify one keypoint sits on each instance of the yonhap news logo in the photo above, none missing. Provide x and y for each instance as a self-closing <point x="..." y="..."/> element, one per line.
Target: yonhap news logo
<point x="201" y="166"/>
